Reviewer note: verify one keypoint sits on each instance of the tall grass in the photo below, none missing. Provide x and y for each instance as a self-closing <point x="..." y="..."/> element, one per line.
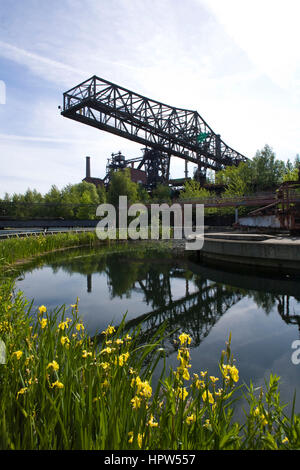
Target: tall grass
<point x="18" y="249"/>
<point x="62" y="390"/>
<point x="14" y="250"/>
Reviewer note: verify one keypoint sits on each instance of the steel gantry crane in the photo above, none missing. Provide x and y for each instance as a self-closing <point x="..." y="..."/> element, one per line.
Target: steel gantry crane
<point x="164" y="130"/>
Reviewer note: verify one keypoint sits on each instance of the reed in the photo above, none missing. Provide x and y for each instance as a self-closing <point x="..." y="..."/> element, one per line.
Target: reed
<point x="19" y="249"/>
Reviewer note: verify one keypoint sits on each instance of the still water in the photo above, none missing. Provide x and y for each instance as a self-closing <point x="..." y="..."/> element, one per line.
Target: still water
<point x="262" y="312"/>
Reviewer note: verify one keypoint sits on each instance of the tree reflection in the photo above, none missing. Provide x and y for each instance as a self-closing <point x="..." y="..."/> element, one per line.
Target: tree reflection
<point x="205" y="294"/>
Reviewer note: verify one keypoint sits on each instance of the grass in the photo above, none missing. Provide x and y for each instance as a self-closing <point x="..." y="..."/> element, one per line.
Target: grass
<point x="61" y="390"/>
<point x="14" y="250"/>
<point x="19" y="250"/>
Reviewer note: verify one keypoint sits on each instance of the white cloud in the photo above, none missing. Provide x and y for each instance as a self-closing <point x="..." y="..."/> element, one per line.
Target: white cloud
<point x="268" y="31"/>
<point x="43" y="66"/>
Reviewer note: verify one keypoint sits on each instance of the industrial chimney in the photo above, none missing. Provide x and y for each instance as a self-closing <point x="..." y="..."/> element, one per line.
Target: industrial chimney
<point x="88" y="167"/>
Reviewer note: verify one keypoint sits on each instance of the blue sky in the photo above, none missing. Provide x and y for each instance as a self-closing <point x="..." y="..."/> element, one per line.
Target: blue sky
<point x="236" y="63"/>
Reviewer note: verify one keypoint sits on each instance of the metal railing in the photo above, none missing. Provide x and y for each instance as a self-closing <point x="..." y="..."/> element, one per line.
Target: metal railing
<point x="36" y="233"/>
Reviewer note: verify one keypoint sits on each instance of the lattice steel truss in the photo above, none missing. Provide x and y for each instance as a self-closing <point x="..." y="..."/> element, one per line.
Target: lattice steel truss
<point x="178" y="132"/>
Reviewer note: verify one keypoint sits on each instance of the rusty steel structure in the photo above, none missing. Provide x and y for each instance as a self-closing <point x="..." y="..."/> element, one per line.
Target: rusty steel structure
<point x="281" y="211"/>
<point x="164" y="130"/>
<point x="288" y="209"/>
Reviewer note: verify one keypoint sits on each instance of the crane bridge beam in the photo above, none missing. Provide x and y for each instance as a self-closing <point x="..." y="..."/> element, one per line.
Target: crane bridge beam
<point x="178" y="132"/>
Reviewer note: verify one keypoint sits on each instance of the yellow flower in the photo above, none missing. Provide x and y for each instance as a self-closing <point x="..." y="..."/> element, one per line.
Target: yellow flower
<point x="136" y="402"/>
<point x="42" y="309"/>
<point x="285" y="440"/>
<point x="203" y="374"/>
<point x="182" y="393"/>
<point x="18" y="354"/>
<point x="146" y="390"/>
<point x="230" y="372"/>
<point x="143" y="388"/>
<point x="152" y="423"/>
<point x="199" y="384"/>
<point x="140" y="439"/>
<point x="43" y="323"/>
<point x="79" y="327"/>
<point x="65" y="341"/>
<point x="184" y="338"/>
<point x="63" y="325"/>
<point x="119" y="341"/>
<point x="123" y="358"/>
<point x="107" y="350"/>
<point x="191" y="419"/>
<point x="207" y="424"/>
<point x="109" y="330"/>
<point x="22" y="391"/>
<point x="234" y="374"/>
<point x="264" y="421"/>
<point x="185" y="374"/>
<point x="183" y="356"/>
<point x="86" y="354"/>
<point x="206" y="395"/>
<point x="104" y="365"/>
<point x="54" y="365"/>
<point x="213" y="379"/>
<point x="130" y="435"/>
<point x="57" y="384"/>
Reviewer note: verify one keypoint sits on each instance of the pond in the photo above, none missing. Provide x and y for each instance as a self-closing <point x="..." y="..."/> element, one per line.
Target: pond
<point x="261" y="311"/>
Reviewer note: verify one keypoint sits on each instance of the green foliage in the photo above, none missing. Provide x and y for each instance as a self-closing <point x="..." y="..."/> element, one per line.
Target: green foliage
<point x="292" y="175"/>
<point x="192" y="189"/>
<point x="18" y="249"/>
<point x="263" y="172"/>
<point x="73" y="201"/>
<point x="143" y="195"/>
<point x="161" y="193"/>
<point x="267" y="171"/>
<point x="121" y="185"/>
<point x="238" y="180"/>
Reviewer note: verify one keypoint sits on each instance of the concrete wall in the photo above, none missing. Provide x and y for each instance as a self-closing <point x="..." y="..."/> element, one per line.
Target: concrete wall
<point x="269" y="253"/>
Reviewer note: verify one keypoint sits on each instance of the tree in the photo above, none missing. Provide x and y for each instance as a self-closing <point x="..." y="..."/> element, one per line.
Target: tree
<point x="192" y="189"/>
<point x="121" y="185"/>
<point x="267" y="171"/>
<point x="238" y="180"/>
<point x="53" y="199"/>
<point x="87" y="209"/>
<point x="162" y="193"/>
<point x="143" y="195"/>
<point x="101" y="191"/>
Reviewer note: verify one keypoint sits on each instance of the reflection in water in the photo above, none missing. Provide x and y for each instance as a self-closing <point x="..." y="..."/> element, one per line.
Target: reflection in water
<point x="89" y="282"/>
<point x="208" y="293"/>
<point x="155" y="288"/>
<point x="204" y="302"/>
